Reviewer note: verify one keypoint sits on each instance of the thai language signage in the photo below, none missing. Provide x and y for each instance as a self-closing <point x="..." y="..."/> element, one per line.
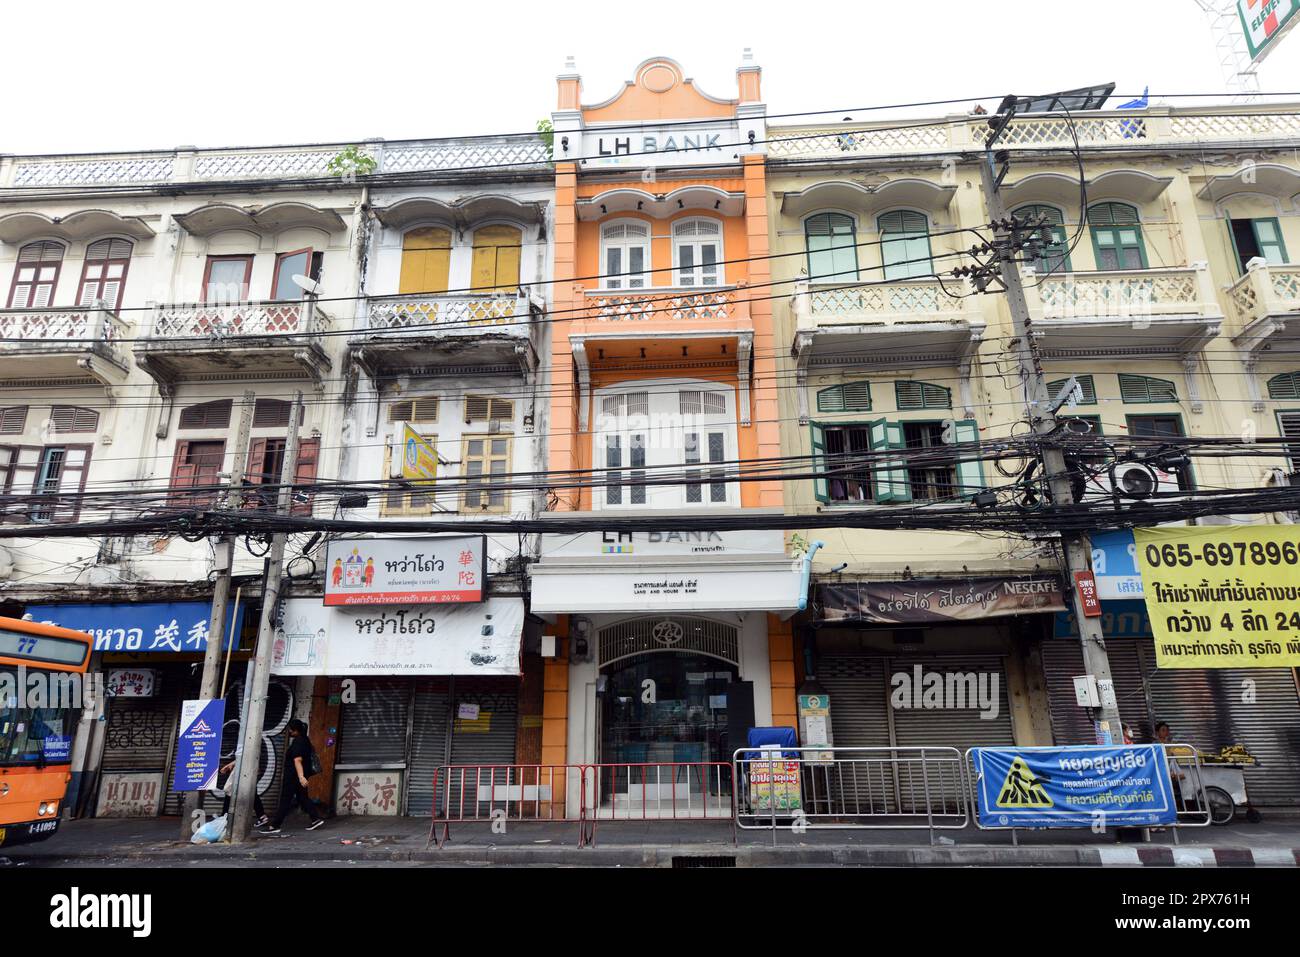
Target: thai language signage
<point x="774" y="784"/>
<point x="198" y="753"/>
<point x="405" y="571"/>
<point x="1074" y="786"/>
<point x="142" y="626"/>
<point x="938" y="599"/>
<point x="1114" y="565"/>
<point x="1223" y="597"/>
<point x="464" y="639"/>
<point x="413" y="457"/>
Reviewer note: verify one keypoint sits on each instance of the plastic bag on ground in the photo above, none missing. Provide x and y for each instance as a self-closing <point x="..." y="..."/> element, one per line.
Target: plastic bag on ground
<point x="211" y="832"/>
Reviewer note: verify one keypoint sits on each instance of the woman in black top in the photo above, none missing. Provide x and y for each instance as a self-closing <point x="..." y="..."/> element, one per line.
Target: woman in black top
<point x="296" y="772"/>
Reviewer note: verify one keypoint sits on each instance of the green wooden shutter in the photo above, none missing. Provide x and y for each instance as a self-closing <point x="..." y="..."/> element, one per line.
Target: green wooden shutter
<point x="1086" y="385"/>
<point x="1284" y="386"/>
<point x="1268" y="237"/>
<point x="970" y="474"/>
<point x="909" y="395"/>
<point x="821" y="488"/>
<point x="889" y="479"/>
<point x="846" y="397"/>
<point x="1146" y="389"/>
<point x="831" y="399"/>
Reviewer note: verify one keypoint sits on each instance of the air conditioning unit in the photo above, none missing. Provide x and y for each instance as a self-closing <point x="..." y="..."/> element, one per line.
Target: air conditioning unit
<point x="1132" y="480"/>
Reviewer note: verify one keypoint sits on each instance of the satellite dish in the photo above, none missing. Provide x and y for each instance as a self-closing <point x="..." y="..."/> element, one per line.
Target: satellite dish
<point x="308" y="285"/>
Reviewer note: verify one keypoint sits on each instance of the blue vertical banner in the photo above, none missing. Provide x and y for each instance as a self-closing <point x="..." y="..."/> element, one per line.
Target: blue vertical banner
<point x="1074" y="786"/>
<point x="199" y="753"/>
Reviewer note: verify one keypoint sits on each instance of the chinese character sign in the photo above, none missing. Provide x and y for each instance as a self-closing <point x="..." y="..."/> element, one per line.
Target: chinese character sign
<point x="405" y="571"/>
<point x="153" y="627"/>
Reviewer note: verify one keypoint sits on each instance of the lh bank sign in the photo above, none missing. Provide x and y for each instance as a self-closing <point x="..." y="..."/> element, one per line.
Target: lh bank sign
<point x="663" y="147"/>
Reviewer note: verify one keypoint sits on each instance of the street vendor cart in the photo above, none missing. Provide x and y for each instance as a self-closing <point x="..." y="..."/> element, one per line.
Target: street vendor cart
<point x="1223" y="779"/>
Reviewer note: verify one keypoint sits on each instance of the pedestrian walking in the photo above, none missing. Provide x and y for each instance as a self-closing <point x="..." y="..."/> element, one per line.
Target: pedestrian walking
<point x="301" y="763"/>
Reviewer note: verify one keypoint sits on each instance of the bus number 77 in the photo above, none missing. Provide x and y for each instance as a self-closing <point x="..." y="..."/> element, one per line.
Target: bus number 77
<point x="26" y="646"/>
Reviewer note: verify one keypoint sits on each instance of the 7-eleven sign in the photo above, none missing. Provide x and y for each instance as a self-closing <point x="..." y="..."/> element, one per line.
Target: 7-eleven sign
<point x="1264" y="22"/>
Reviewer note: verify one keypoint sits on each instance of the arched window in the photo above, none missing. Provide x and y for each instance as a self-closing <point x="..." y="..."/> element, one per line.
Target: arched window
<point x="625" y="254"/>
<point x="1117" y="236"/>
<point x="36" y="275"/>
<point x="904" y="244"/>
<point x="104" y="273"/>
<point x="697" y="250"/>
<point x="1285" y="386"/>
<point x="831" y="240"/>
<point x="1056" y="257"/>
<point x="426" y="260"/>
<point x="496" y="259"/>
<point x="72" y="418"/>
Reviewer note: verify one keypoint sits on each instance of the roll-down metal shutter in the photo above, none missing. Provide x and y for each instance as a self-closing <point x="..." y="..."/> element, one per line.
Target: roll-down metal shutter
<point x="141" y="732"/>
<point x="856" y="686"/>
<point x="372" y="729"/>
<point x="429" y="743"/>
<point x="1208" y="708"/>
<point x="1063" y="660"/>
<point x="487" y="740"/>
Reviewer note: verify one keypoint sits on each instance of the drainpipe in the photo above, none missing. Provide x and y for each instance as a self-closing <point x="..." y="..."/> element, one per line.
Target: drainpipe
<point x="807" y="572"/>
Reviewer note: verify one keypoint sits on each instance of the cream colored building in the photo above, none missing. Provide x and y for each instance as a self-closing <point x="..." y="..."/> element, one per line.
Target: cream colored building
<point x="1171" y="305"/>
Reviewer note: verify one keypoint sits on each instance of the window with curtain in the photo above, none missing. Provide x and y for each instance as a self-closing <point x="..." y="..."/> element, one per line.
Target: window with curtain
<point x="226" y="279"/>
<point x="697" y="251"/>
<point x="497" y="254"/>
<point x="831" y="240"/>
<point x="905" y="244"/>
<point x="1056" y="257"/>
<point x="36" y="275"/>
<point x="104" y="273"/>
<point x="426" y="260"/>
<point x="1117" y="236"/>
<point x="624" y="254"/>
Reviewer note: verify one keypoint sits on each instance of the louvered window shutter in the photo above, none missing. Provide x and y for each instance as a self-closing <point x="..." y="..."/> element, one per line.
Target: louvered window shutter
<point x="821" y="487"/>
<point x="1285" y="386"/>
<point x="13" y="420"/>
<point x="970" y="470"/>
<point x="889" y="478"/>
<point x="305" y="474"/>
<point x="1146" y="389"/>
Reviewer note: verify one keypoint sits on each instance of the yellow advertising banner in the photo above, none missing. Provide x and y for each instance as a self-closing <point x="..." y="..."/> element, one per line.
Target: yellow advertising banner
<point x="1222" y="597"/>
<point x="416" y="457"/>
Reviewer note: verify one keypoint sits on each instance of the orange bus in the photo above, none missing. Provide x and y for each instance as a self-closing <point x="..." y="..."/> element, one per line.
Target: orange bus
<point x="38" y="697"/>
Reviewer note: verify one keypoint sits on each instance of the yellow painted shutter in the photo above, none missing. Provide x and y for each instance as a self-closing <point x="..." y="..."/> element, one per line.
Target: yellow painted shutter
<point x="496" y="258"/>
<point x="426" y="260"/>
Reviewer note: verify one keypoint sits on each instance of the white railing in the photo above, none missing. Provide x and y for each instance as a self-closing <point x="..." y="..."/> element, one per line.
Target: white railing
<point x="503" y="153"/>
<point x="1118" y="128"/>
<point x="466" y="314"/>
<point x="1266" y="291"/>
<point x="61" y="330"/>
<point x="672" y="304"/>
<point x="1123" y="293"/>
<point x="926" y="298"/>
<point x="213" y="322"/>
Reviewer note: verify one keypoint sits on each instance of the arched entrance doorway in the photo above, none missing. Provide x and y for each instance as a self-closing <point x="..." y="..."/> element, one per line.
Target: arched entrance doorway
<point x="663" y="689"/>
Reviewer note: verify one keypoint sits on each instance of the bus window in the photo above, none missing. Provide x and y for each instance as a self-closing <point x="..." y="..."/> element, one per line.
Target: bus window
<point x="23" y="730"/>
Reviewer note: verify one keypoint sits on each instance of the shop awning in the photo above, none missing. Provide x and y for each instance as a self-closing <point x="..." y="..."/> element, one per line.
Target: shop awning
<point x="480" y="638"/>
<point x="935" y="600"/>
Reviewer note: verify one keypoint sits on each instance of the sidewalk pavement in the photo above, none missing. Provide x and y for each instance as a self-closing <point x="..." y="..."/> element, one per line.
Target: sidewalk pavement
<point x="103" y="842"/>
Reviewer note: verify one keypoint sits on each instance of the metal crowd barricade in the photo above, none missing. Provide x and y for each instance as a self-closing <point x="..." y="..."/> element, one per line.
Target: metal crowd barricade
<point x="522" y="793"/>
<point x="887" y="788"/>
<point x="1183" y="762"/>
<point x="670" y="791"/>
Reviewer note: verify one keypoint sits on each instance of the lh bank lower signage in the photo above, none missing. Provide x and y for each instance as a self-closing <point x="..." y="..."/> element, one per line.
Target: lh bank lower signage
<point x="405" y="571"/>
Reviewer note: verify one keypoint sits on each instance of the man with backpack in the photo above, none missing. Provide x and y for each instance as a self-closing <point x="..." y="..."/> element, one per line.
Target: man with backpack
<point x="301" y="764"/>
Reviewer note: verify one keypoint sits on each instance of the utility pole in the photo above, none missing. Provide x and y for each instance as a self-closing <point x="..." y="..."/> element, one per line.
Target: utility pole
<point x="260" y="677"/>
<point x="1042" y="418"/>
<point x="225" y="556"/>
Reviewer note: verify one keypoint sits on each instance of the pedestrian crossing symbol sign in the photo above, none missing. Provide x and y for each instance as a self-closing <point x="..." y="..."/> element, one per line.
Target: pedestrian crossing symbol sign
<point x="1023" y="788"/>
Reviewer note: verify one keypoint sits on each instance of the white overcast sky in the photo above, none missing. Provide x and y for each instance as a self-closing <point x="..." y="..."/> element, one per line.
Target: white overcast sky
<point x="114" y="76"/>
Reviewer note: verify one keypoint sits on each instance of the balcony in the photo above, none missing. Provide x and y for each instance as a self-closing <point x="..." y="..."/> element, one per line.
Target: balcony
<point x="1124" y="314"/>
<point x="276" y="339"/>
<point x="908" y="324"/>
<point x="1266" y="303"/>
<point x="45" y="344"/>
<point x="413" y="335"/>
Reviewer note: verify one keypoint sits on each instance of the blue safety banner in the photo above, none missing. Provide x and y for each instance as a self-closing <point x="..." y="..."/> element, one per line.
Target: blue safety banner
<point x="1074" y="786"/>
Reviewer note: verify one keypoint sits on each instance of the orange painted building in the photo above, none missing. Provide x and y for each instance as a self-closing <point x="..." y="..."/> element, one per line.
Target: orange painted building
<point x="663" y="376"/>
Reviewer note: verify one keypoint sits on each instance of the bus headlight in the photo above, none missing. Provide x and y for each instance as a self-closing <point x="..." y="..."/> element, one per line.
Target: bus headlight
<point x="40" y="811"/>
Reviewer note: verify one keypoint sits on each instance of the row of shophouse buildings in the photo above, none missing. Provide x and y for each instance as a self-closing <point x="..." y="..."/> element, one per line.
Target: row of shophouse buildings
<point x="666" y="281"/>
